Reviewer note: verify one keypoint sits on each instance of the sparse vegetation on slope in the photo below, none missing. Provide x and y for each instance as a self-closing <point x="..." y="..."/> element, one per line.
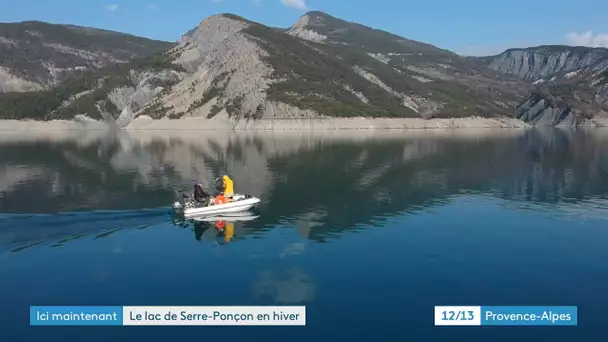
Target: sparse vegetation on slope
<point x="314" y="77"/>
<point x="33" y="47"/>
<point x="316" y="80"/>
<point x="93" y="87"/>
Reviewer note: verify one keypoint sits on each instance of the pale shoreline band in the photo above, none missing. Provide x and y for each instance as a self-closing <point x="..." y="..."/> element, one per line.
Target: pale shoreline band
<point x="196" y="123"/>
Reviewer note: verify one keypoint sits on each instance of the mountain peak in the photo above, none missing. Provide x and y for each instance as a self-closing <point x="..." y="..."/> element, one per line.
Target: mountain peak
<point x="218" y="24"/>
<point x="321" y="27"/>
<point x="233" y="17"/>
<point x="222" y="17"/>
<point x="318" y="18"/>
<point x="318" y="14"/>
<point x="304" y="27"/>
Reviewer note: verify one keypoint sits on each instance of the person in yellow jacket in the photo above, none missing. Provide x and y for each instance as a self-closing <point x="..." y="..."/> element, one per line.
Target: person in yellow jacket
<point x="228" y="186"/>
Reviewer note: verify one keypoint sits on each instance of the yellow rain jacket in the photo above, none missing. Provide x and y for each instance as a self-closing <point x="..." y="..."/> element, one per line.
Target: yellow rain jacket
<point x="228" y="186"/>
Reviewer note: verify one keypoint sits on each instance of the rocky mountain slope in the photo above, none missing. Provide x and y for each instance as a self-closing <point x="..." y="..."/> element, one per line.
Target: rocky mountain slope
<point x="571" y="83"/>
<point x="35" y="55"/>
<point x="321" y="66"/>
<point x="579" y="100"/>
<point x="230" y="68"/>
<point x="101" y="94"/>
<point x="542" y="63"/>
<point x="324" y="66"/>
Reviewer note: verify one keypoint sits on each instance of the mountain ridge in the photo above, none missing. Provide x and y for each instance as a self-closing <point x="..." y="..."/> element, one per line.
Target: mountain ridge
<point x="554" y="47"/>
<point x="398" y="89"/>
<point x="37" y="55"/>
<point x="235" y="69"/>
<point x="82" y="27"/>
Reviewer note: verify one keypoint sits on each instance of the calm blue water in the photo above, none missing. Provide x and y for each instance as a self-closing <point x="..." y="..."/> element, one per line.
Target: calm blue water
<point x="369" y="232"/>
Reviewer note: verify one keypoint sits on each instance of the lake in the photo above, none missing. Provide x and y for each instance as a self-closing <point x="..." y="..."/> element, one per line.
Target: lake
<point x="368" y="230"/>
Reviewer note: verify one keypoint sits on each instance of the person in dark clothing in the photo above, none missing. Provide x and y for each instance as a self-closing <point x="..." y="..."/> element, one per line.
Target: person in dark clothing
<point x="200" y="195"/>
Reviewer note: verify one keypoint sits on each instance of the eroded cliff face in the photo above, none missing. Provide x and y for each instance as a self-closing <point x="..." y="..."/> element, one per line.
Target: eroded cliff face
<point x="570" y="83"/>
<point x="146" y="86"/>
<point x="578" y="99"/>
<point x="541" y="63"/>
<point x="538" y="111"/>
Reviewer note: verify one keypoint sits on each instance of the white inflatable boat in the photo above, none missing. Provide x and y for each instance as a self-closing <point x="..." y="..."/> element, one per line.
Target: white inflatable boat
<point x="238" y="203"/>
<point x="232" y="217"/>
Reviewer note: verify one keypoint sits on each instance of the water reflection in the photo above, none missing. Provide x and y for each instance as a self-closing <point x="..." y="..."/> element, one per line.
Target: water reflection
<point x="291" y="286"/>
<point x="219" y="229"/>
<point x="322" y="183"/>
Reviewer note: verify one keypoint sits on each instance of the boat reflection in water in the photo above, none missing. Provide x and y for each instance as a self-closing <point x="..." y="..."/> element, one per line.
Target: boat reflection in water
<point x="219" y="229"/>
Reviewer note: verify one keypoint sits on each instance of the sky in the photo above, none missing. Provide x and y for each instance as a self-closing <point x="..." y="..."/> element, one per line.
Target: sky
<point x="468" y="27"/>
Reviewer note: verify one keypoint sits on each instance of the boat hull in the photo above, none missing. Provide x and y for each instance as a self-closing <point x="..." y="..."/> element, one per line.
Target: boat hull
<point x="233" y="217"/>
<point x="239" y="204"/>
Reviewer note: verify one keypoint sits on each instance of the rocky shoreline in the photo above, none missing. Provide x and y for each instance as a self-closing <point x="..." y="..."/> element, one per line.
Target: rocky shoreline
<point x="54" y="125"/>
<point x="196" y="123"/>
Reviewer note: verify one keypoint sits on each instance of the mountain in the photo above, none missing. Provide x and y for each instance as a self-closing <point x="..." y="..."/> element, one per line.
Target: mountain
<point x="571" y="83"/>
<point x="232" y="69"/>
<point x="541" y="63"/>
<point x="324" y="66"/>
<point x="35" y="55"/>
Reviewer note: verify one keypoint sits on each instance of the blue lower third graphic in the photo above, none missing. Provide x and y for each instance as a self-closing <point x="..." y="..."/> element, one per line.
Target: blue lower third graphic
<point x="76" y="315"/>
<point x="506" y="315"/>
<point x="529" y="315"/>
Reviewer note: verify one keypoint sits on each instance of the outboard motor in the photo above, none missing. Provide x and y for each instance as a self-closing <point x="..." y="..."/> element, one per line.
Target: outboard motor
<point x="179" y="202"/>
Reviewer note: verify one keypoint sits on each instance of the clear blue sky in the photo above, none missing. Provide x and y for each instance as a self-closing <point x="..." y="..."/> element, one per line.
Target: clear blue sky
<point x="465" y="26"/>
